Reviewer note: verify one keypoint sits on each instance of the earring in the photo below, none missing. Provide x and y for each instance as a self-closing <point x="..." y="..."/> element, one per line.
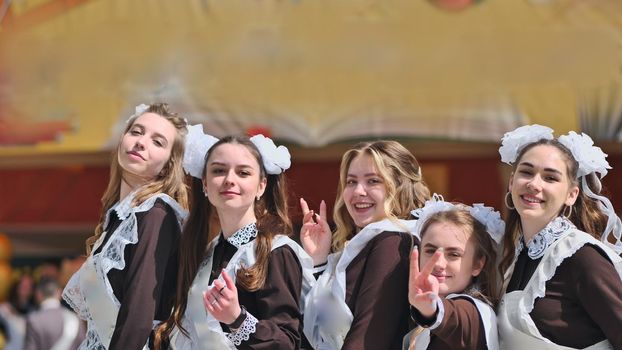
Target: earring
<point x="567" y="215"/>
<point x="508" y="200"/>
<point x="258" y="197"/>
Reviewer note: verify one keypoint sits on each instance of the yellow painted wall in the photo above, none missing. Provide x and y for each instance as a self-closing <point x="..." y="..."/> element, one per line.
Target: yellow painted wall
<point x="305" y="67"/>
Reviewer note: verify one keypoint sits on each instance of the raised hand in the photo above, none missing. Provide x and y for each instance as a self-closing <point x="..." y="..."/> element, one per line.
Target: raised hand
<point x="222" y="300"/>
<point x="423" y="287"/>
<point x="315" y="233"/>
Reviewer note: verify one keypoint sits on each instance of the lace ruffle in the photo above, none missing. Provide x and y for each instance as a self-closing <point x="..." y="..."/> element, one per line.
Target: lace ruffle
<point x="112" y="254"/>
<point x="567" y="246"/>
<point x="112" y="257"/>
<point x="546" y="237"/>
<point x="91" y="341"/>
<point x="247" y="328"/>
<point x="243" y="235"/>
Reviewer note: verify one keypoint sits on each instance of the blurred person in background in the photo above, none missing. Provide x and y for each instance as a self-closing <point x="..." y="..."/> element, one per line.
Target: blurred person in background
<point x="20" y="302"/>
<point x="52" y="326"/>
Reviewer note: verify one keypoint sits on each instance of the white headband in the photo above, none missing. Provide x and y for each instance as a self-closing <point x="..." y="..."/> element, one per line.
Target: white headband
<point x="591" y="160"/>
<point x="489" y="217"/>
<point x="275" y="159"/>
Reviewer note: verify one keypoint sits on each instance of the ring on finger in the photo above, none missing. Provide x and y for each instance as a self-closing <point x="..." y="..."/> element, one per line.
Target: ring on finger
<point x="220" y="290"/>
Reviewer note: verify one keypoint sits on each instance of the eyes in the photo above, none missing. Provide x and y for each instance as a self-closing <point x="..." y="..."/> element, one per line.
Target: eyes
<point x="449" y="254"/>
<point x="372" y="181"/>
<point x="221" y="171"/>
<point x="157" y="140"/>
<point x="529" y="173"/>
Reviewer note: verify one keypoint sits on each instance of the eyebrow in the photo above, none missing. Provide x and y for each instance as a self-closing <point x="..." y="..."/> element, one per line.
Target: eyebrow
<point x="430" y="245"/>
<point x="527" y="164"/>
<point x="218" y="163"/>
<point x="364" y="175"/>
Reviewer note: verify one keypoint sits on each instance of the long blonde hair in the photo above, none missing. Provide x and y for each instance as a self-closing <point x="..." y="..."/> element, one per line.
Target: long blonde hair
<point x="170" y="180"/>
<point x="400" y="170"/>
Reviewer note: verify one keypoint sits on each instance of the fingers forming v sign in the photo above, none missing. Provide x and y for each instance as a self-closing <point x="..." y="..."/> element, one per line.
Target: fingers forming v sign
<point x="315" y="233"/>
<point x="221" y="300"/>
<point x="422" y="286"/>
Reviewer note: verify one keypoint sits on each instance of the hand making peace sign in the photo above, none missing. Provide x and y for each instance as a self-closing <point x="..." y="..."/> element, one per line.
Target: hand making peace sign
<point x="422" y="286"/>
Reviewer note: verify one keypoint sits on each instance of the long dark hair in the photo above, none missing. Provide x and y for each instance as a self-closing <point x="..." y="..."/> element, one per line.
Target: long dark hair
<point x="586" y="214"/>
<point x="272" y="219"/>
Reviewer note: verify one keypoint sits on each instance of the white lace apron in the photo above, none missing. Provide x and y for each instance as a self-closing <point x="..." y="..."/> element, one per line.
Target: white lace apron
<point x="327" y="317"/>
<point x="486" y="314"/>
<point x="204" y="330"/>
<point x="517" y="331"/>
<point x="89" y="292"/>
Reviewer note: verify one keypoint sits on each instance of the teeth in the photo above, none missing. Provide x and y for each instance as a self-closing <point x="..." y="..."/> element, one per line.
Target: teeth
<point x="531" y="199"/>
<point x="363" y="205"/>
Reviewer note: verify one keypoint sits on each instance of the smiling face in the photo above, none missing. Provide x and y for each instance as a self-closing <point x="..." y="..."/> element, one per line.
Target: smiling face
<point x="457" y="265"/>
<point x="364" y="192"/>
<point x="233" y="179"/>
<point x="540" y="187"/>
<point x="146" y="147"/>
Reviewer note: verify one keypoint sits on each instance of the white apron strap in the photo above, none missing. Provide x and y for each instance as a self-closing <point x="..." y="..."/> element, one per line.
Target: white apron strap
<point x="486" y="314"/>
<point x="205" y="330"/>
<point x="327" y="317"/>
<point x="306" y="262"/>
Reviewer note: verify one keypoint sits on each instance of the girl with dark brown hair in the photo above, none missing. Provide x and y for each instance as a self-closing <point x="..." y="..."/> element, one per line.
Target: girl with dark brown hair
<point x="243" y="286"/>
<point x="563" y="272"/>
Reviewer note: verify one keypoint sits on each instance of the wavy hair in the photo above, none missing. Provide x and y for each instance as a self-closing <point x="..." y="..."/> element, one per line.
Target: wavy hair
<point x="170" y="180"/>
<point x="400" y="170"/>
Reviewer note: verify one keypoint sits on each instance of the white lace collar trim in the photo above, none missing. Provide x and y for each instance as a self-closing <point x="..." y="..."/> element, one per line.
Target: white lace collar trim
<point x="110" y="257"/>
<point x="243" y="235"/>
<point x="124" y="208"/>
<point x="543" y="239"/>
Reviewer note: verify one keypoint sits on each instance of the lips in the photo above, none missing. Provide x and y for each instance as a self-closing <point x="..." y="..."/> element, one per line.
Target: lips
<point x="229" y="193"/>
<point x="135" y="154"/>
<point x="529" y="199"/>
<point x="362" y="206"/>
<point x="440" y="277"/>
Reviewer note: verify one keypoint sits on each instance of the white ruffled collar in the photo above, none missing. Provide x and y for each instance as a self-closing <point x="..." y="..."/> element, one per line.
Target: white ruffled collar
<point x="243" y="235"/>
<point x="124" y="208"/>
<point x="543" y="239"/>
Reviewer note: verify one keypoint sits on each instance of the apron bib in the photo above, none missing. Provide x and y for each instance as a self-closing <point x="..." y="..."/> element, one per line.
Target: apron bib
<point x="517" y="331"/>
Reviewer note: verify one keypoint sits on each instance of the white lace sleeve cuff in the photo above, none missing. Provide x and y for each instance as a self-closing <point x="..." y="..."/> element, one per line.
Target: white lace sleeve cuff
<point x="244" y="332"/>
<point x="440" y="313"/>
